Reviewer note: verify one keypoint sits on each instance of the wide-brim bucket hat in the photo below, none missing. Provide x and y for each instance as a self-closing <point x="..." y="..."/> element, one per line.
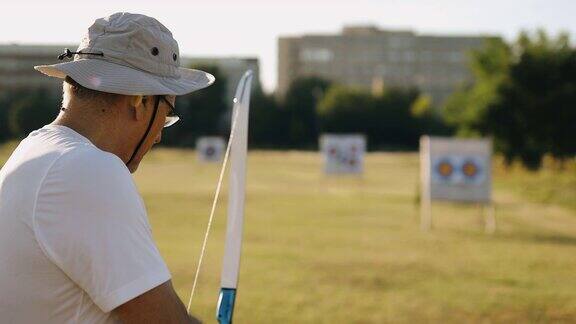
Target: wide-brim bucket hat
<point x="129" y="54"/>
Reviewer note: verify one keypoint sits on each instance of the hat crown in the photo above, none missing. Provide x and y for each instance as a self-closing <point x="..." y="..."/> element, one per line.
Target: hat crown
<point x="133" y="40"/>
<point x="129" y="54"/>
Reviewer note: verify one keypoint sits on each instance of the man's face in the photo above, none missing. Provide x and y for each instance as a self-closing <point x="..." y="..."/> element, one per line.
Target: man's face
<point x="155" y="135"/>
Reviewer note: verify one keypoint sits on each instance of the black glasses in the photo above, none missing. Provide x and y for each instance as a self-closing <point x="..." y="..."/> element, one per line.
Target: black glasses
<point x="172" y="117"/>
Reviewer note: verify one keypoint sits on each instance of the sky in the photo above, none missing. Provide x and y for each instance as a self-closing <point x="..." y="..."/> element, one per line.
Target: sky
<point x="251" y="27"/>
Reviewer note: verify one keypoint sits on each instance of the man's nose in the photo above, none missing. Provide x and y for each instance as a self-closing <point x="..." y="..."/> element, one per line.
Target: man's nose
<point x="158" y="138"/>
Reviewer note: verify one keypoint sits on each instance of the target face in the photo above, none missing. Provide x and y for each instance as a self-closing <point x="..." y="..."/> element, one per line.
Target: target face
<point x="343" y="153"/>
<point x="456" y="169"/>
<point x="473" y="169"/>
<point x="470" y="169"/>
<point x="210" y="149"/>
<point x="445" y="169"/>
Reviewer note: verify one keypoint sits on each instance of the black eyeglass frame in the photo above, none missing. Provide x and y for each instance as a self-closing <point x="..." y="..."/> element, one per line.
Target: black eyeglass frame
<point x="172" y="116"/>
<point x="172" y="112"/>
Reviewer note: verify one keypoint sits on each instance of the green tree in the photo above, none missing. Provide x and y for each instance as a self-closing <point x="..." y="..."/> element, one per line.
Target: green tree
<point x="300" y="103"/>
<point x="387" y="120"/>
<point x="345" y="110"/>
<point x="202" y="113"/>
<point x="5" y="102"/>
<point x="466" y="109"/>
<point x="536" y="110"/>
<point x="30" y="110"/>
<point x="392" y="122"/>
<point x="268" y="122"/>
<point x="523" y="95"/>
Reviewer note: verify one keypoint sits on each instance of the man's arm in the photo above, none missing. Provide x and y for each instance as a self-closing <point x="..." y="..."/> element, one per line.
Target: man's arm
<point x="158" y="305"/>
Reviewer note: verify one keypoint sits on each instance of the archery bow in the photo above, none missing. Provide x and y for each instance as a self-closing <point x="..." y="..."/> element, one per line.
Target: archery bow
<point x="233" y="246"/>
<point x="237" y="149"/>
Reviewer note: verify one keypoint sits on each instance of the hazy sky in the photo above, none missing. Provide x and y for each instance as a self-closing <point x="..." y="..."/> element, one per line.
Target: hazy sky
<point x="251" y="28"/>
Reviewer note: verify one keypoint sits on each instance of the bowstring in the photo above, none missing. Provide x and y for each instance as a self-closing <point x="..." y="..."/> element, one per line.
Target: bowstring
<point x="214" y="202"/>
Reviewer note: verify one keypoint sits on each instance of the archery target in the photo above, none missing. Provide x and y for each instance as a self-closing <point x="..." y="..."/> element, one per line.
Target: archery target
<point x="210" y="149"/>
<point x="343" y="154"/>
<point x="444" y="169"/>
<point x="473" y="169"/>
<point x="456" y="169"/>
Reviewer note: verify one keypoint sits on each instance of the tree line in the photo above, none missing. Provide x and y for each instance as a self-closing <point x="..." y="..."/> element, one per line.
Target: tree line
<point x="393" y="119"/>
<point x="522" y="94"/>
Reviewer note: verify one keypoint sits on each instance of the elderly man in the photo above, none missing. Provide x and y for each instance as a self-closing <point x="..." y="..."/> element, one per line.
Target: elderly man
<point x="75" y="243"/>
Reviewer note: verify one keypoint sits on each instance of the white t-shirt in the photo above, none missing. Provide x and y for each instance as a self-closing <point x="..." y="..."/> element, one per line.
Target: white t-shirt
<point x="75" y="241"/>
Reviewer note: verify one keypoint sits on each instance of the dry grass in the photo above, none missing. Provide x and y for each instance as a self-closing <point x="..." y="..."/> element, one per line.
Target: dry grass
<point x="349" y="250"/>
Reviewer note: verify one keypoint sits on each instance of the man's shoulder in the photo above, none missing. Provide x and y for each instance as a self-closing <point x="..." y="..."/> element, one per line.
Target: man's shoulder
<point x="90" y="158"/>
<point x="88" y="163"/>
<point x="88" y="178"/>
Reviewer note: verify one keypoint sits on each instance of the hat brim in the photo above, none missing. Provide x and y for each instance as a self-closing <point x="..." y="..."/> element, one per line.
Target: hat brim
<point x="115" y="78"/>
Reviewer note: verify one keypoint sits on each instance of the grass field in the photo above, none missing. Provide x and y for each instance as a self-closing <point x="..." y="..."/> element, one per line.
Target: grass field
<point x="349" y="250"/>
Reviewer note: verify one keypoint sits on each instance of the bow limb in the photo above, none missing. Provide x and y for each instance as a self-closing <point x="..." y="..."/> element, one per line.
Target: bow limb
<point x="237" y="149"/>
<point x="233" y="245"/>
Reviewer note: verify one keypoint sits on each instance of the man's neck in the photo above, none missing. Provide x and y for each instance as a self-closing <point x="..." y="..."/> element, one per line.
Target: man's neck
<point x="96" y="126"/>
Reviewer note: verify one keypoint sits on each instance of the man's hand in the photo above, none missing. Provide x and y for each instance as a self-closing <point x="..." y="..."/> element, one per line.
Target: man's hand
<point x="158" y="305"/>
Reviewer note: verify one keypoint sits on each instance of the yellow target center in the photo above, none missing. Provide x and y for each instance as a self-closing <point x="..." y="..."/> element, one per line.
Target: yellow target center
<point x="445" y="169"/>
<point x="470" y="169"/>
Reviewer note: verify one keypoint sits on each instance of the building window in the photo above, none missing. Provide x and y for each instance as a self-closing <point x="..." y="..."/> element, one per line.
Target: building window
<point x="409" y="56"/>
<point x="456" y="57"/>
<point x="316" y="55"/>
<point x="397" y="42"/>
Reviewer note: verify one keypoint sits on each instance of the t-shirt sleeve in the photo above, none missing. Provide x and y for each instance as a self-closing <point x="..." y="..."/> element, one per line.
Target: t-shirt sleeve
<point x="91" y="222"/>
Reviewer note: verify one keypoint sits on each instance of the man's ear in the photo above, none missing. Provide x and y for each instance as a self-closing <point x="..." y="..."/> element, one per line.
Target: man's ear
<point x="138" y="107"/>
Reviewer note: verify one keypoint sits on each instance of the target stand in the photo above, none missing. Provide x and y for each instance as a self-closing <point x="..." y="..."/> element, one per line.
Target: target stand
<point x="459" y="170"/>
